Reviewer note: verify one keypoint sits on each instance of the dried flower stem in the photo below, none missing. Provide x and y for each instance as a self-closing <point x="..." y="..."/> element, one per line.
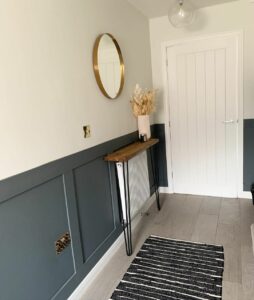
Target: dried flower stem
<point x="142" y="101"/>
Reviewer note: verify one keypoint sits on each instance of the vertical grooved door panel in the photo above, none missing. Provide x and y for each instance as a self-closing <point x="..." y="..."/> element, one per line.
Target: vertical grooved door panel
<point x="203" y="95"/>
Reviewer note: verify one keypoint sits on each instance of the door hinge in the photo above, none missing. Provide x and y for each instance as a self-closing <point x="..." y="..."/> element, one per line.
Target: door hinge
<point x="172" y="174"/>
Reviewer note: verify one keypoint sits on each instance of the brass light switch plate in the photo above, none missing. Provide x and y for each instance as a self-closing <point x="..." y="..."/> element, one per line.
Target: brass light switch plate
<point x="87" y="131"/>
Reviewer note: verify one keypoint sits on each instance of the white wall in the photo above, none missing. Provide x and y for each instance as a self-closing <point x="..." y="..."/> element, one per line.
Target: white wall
<point x="47" y="86"/>
<point x="232" y="16"/>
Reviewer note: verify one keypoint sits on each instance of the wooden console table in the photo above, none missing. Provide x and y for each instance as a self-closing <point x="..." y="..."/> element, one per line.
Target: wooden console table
<point x="121" y="158"/>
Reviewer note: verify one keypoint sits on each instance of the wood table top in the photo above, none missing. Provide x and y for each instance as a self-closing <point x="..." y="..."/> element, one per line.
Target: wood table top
<point x="126" y="153"/>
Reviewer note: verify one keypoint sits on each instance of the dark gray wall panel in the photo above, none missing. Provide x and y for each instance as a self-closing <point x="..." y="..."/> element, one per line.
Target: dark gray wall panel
<point x="30" y="223"/>
<point x="95" y="207"/>
<point x="248" y="154"/>
<point x="158" y="131"/>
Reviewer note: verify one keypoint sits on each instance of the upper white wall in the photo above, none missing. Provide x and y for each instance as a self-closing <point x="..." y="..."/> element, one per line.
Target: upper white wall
<point x="47" y="86"/>
<point x="227" y="17"/>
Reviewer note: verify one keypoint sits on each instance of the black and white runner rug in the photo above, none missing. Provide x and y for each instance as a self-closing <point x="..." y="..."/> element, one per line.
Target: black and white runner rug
<point x="166" y="269"/>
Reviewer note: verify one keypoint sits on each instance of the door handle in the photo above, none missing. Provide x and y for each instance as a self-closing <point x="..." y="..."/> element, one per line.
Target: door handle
<point x="229" y="121"/>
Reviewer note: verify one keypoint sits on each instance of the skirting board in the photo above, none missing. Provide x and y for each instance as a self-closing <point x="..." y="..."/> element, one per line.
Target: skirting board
<point x="245" y="195"/>
<point x="79" y="292"/>
<point x="165" y="190"/>
<point x="241" y="195"/>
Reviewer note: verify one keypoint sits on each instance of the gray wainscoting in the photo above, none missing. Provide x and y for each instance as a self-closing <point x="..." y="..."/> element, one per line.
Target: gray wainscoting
<point x="30" y="222"/>
<point x="158" y="130"/>
<point x="248" y="170"/>
<point x="76" y="194"/>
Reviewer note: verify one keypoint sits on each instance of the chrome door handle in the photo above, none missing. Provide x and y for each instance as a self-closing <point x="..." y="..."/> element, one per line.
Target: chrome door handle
<point x="230" y="121"/>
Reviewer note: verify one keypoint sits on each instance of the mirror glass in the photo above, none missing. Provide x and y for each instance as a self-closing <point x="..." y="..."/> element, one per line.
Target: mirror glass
<point x="108" y="66"/>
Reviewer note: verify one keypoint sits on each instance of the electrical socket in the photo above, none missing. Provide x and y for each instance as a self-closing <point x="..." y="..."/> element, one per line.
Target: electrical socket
<point x="87" y="131"/>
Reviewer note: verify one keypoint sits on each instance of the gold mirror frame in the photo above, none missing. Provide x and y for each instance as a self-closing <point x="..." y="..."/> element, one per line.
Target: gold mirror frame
<point x="96" y="65"/>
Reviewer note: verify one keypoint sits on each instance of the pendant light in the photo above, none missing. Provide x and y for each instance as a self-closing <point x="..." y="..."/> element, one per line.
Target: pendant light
<point x="182" y="13"/>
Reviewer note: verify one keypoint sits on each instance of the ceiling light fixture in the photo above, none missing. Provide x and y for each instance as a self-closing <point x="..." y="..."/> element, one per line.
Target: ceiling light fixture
<point x="182" y="13"/>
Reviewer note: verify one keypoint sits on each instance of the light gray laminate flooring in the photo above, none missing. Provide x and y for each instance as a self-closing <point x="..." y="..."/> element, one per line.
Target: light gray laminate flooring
<point x="194" y="218"/>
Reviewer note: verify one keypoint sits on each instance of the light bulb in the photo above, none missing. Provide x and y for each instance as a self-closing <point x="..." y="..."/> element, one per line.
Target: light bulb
<point x="181" y="14"/>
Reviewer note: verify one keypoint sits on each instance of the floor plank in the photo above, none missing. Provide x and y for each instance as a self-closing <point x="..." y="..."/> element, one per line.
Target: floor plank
<point x="233" y="267"/>
<point x="228" y="235"/>
<point x="231" y="291"/>
<point x="229" y="211"/>
<point x="247" y="272"/>
<point x="211" y="205"/>
<point x="205" y="228"/>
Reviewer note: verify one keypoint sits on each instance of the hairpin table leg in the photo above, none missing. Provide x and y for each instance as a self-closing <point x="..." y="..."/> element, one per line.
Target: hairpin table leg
<point x="127" y="218"/>
<point x="155" y="178"/>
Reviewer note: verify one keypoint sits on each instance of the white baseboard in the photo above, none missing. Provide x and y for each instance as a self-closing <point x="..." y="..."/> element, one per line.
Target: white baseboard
<point x="245" y="195"/>
<point x="165" y="190"/>
<point x="79" y="292"/>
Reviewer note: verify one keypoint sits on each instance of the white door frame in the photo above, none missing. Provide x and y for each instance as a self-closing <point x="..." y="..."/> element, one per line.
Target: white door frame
<point x="239" y="38"/>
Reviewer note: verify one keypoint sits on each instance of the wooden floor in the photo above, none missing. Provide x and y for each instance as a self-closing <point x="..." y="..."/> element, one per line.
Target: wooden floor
<point x="193" y="218"/>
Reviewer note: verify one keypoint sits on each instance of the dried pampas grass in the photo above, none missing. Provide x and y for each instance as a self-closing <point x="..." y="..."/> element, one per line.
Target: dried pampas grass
<point x="142" y="101"/>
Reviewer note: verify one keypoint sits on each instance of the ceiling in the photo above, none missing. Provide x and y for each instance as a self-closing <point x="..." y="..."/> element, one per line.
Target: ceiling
<point x="159" y="8"/>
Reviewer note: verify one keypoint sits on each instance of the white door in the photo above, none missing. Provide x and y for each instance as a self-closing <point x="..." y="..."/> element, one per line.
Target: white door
<point x="203" y="104"/>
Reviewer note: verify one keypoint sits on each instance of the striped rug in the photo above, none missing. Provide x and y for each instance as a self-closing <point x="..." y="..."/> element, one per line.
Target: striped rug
<point x="166" y="269"/>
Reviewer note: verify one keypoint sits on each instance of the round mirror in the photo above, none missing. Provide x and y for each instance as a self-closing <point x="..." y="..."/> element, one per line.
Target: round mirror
<point x="108" y="66"/>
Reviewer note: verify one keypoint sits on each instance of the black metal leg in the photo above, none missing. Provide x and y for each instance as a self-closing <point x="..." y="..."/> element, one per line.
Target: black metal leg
<point x="252" y="192"/>
<point x="155" y="178"/>
<point x="127" y="219"/>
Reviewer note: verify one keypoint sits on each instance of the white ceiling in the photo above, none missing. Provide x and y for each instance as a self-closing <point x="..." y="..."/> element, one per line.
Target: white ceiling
<point x="159" y="8"/>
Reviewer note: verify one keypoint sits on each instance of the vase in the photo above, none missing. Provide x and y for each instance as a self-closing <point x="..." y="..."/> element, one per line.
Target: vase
<point x="144" y="126"/>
